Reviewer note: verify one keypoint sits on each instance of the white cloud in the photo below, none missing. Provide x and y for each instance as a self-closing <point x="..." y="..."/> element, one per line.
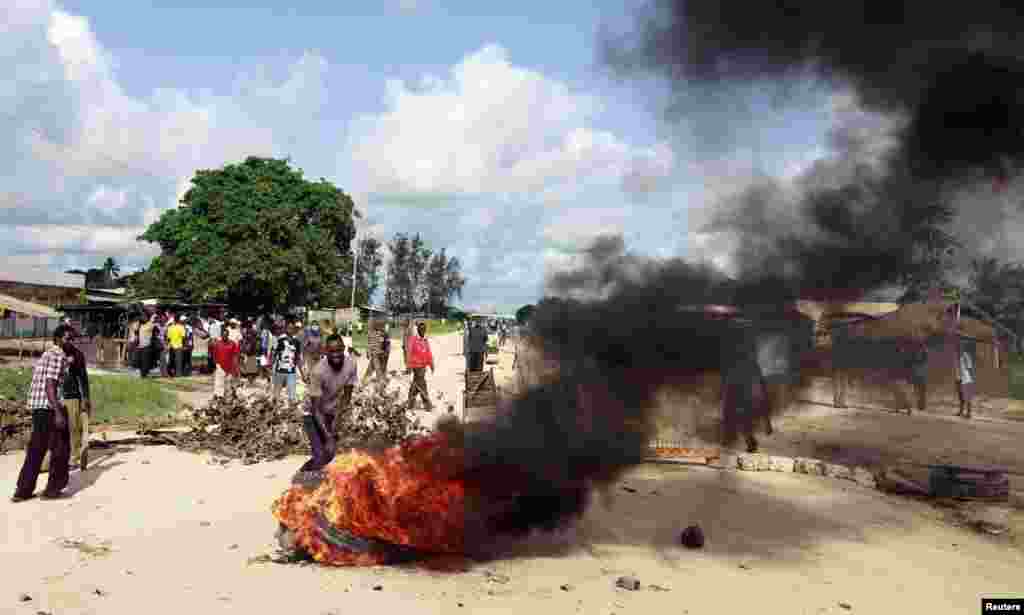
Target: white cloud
<point x="85" y="166"/>
<point x="492" y="127"/>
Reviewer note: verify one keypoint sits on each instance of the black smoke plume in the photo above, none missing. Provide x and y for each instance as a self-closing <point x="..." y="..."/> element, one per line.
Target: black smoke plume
<point x="620" y="328"/>
<point x="954" y="70"/>
<point x="951" y="76"/>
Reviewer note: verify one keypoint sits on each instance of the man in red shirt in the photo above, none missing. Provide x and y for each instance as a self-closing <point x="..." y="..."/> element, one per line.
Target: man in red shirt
<point x="225" y="353"/>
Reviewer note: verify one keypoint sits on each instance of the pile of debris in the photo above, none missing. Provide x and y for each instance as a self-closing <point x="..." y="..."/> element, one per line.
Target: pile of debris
<point x="252" y="429"/>
<point x="256" y="428"/>
<point x="15" y="425"/>
<point x="375" y="418"/>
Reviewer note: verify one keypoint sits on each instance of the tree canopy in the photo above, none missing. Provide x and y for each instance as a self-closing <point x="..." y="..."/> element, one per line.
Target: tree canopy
<point x="419" y="279"/>
<point x="256" y="235"/>
<point x="524" y="313"/>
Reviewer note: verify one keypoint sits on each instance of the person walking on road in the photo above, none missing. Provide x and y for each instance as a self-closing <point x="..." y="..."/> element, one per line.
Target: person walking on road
<point x="225" y="355"/>
<point x="377" y="359"/>
<point x="477" y="348"/>
<point x="419" y="359"/>
<point x="966" y="375"/>
<point x="49" y="422"/>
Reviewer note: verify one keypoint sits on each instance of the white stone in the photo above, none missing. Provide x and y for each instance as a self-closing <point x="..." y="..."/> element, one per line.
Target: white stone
<point x="783" y="464"/>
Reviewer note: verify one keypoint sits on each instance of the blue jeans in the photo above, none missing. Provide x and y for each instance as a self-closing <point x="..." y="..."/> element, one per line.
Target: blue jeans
<point x="283" y="380"/>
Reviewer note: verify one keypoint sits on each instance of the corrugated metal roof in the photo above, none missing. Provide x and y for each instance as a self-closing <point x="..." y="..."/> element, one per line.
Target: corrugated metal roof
<point x="40" y="276"/>
<point x="26" y="307"/>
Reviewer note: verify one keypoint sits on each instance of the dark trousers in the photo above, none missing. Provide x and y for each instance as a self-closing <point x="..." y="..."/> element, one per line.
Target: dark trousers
<point x="419" y="386"/>
<point x="46" y="437"/>
<point x="147" y="356"/>
<point x="178" y="359"/>
<point x="318" y="441"/>
<point x="187" y="362"/>
<point x="475" y="362"/>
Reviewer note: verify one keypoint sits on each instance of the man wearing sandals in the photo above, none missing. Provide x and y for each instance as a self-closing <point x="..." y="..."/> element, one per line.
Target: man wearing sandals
<point x="49" y="422"/>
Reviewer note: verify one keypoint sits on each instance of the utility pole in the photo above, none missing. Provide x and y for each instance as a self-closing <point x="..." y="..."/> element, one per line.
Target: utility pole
<point x="355" y="264"/>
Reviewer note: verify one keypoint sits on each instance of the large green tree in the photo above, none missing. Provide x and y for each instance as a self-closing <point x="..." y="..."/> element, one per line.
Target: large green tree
<point x="257" y="235"/>
<point x="524" y="313"/>
<point x="443" y="280"/>
<point x="419" y="259"/>
<point x="398" y="296"/>
<point x="371" y="259"/>
<point x="997" y="289"/>
<point x="419" y="279"/>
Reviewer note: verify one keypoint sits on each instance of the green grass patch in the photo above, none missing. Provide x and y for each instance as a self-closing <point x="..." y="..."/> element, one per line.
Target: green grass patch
<point x="115" y="399"/>
<point x="1016" y="376"/>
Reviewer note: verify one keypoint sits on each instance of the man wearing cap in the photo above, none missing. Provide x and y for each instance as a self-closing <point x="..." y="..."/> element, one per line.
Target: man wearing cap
<point x="49" y="422"/>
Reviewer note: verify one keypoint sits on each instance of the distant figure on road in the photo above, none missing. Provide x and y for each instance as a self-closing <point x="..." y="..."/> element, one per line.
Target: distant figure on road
<point x="376" y="339"/>
<point x="419" y="359"/>
<point x="966" y="375"/>
<point x="477" y="348"/>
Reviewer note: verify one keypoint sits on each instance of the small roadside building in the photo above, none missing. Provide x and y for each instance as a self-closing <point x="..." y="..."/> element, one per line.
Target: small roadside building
<point x="41" y="286"/>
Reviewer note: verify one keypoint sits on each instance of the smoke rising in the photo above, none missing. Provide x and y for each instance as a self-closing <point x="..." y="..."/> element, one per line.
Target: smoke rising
<point x="618" y="328"/>
<point x="937" y="87"/>
<point x="954" y="70"/>
<point x="941" y="85"/>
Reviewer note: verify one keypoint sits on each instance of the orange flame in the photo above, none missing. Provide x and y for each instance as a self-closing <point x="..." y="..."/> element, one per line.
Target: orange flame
<point x="404" y="496"/>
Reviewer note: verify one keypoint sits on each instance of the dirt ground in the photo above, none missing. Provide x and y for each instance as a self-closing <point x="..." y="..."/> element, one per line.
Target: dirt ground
<point x="158" y="529"/>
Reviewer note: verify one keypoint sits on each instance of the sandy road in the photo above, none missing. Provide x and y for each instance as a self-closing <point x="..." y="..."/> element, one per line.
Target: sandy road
<point x="181" y="531"/>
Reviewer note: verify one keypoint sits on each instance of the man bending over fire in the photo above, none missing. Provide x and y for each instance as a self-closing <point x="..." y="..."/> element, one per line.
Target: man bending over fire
<point x="333" y="377"/>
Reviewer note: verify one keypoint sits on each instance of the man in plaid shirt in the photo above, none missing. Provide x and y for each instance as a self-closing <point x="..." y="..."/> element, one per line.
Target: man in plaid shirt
<point x="49" y="422"/>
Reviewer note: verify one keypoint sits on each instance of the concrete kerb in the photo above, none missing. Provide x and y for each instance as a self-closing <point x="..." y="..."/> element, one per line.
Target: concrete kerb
<point x="757" y="462"/>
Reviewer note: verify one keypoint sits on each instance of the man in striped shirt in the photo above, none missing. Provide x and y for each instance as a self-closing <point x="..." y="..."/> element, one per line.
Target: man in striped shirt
<point x="377" y="350"/>
<point x="49" y="422"/>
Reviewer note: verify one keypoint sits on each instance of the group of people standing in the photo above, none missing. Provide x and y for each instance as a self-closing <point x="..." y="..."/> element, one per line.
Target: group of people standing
<point x="174" y="346"/>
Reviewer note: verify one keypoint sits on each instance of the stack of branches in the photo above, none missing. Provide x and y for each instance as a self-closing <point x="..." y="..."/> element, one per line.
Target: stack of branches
<point x="15" y="425"/>
<point x="252" y="429"/>
<point x="256" y="428"/>
<point x="375" y="419"/>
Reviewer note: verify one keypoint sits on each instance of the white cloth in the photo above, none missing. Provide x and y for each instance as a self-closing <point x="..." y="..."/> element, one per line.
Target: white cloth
<point x="966" y="368"/>
<point x="221" y="380"/>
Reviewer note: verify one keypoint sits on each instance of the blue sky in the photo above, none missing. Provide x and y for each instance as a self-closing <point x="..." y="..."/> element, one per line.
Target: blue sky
<point x="497" y="135"/>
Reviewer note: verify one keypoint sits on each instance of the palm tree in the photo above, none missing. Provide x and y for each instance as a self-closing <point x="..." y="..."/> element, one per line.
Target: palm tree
<point x="111" y="268"/>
